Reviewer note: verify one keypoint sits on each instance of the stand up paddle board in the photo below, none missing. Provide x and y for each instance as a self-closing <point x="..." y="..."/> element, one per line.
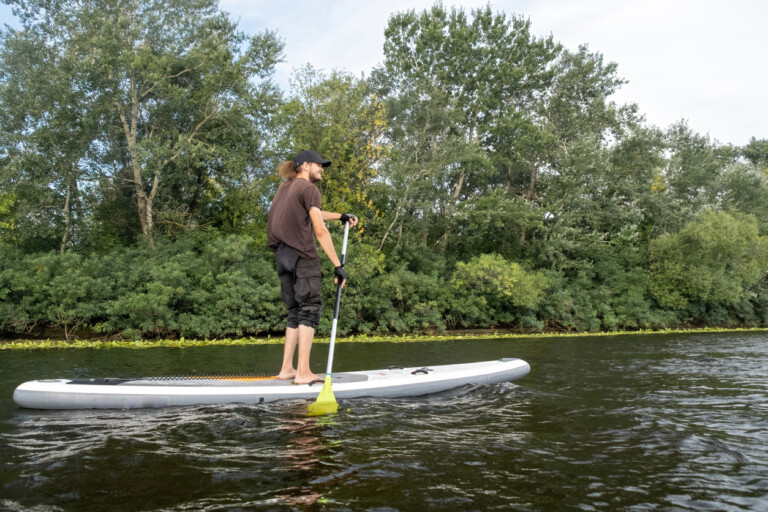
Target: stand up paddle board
<point x="113" y="393"/>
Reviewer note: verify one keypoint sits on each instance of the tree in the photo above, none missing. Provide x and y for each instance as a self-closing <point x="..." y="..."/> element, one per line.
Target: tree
<point x="691" y="174"/>
<point x="743" y="188"/>
<point x="340" y="117"/>
<point x="454" y="83"/>
<point x="47" y="127"/>
<point x="714" y="259"/>
<point x="756" y="152"/>
<point x="176" y="93"/>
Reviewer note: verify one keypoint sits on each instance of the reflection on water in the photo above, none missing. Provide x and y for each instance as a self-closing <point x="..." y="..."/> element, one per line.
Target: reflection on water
<point x="624" y="423"/>
<point x="304" y="451"/>
<point x="177" y="458"/>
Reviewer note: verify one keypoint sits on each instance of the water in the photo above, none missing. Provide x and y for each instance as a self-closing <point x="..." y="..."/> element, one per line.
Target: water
<point x="668" y="422"/>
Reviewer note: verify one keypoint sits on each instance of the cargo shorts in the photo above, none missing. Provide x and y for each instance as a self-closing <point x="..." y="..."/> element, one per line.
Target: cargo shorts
<point x="300" y="287"/>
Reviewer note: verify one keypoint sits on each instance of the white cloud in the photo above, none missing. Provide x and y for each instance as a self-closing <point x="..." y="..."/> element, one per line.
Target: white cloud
<point x="699" y="60"/>
<point x="695" y="60"/>
<point x="345" y="34"/>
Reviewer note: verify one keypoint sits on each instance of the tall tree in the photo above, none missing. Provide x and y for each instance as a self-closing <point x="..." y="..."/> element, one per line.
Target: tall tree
<point x="714" y="259"/>
<point x="339" y="116"/>
<point x="756" y="152"/>
<point x="172" y="86"/>
<point x="587" y="195"/>
<point x="480" y="72"/>
<point x="47" y="125"/>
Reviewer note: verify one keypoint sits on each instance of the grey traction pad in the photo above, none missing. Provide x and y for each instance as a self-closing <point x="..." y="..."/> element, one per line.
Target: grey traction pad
<point x="217" y="381"/>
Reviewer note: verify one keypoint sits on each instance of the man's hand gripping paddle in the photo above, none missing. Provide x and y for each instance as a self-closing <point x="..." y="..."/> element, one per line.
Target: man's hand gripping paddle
<point x="326" y="401"/>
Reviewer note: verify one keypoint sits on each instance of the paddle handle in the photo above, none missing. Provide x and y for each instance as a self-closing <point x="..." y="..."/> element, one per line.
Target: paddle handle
<point x="338" y="302"/>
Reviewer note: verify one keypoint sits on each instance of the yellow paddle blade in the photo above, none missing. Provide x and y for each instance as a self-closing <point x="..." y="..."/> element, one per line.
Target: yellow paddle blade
<point x="326" y="402"/>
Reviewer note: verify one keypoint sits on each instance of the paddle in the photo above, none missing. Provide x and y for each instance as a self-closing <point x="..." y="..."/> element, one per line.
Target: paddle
<point x="326" y="401"/>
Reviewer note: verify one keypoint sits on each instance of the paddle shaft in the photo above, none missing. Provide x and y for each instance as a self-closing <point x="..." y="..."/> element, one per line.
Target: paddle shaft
<point x="338" y="302"/>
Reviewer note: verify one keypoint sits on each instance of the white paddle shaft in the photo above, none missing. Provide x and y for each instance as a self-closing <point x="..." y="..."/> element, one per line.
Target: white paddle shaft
<point x="338" y="302"/>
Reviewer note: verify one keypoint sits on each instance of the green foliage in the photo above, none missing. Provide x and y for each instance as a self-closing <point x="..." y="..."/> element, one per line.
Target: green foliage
<point x="453" y="83"/>
<point x="378" y="298"/>
<point x="756" y="152"/>
<point x="496" y="181"/>
<point x="236" y="293"/>
<point x="164" y="102"/>
<point x="202" y="286"/>
<point x="716" y="259"/>
<point x="501" y="284"/>
<point x="744" y="189"/>
<point x="405" y="338"/>
<point x="339" y="116"/>
<point x="55" y="290"/>
<point x="6" y="202"/>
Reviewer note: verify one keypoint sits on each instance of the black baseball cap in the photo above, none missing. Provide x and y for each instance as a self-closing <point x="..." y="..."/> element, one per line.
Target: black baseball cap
<point x="310" y="156"/>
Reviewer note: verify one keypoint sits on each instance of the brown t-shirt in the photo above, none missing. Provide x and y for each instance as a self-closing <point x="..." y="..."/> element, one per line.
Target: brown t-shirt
<point x="289" y="220"/>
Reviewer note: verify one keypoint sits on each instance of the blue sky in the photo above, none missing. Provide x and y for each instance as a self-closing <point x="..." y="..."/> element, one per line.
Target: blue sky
<point x="703" y="61"/>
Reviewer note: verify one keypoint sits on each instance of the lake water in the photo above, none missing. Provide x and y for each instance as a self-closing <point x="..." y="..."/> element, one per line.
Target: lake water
<point x="649" y="422"/>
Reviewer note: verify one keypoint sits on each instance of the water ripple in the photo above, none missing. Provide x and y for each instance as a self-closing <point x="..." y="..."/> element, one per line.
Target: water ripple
<point x="665" y="423"/>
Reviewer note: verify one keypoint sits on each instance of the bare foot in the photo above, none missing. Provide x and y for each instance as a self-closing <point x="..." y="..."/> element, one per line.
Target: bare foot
<point x="285" y="375"/>
<point x="306" y="379"/>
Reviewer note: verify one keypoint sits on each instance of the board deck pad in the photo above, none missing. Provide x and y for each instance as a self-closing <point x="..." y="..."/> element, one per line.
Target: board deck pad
<point x="211" y="380"/>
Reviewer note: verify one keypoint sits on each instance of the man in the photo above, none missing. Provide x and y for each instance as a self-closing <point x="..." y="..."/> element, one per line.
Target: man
<point x="296" y="213"/>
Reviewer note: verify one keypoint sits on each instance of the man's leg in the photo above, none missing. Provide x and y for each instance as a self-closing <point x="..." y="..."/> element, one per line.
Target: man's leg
<point x="286" y="269"/>
<point x="291" y="339"/>
<point x="307" y="291"/>
<point x="303" y="374"/>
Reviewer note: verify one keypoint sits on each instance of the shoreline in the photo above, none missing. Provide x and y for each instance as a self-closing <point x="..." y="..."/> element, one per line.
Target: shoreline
<point x="469" y="335"/>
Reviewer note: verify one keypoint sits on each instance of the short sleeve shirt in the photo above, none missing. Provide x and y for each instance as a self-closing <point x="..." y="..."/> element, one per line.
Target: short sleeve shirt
<point x="289" y="222"/>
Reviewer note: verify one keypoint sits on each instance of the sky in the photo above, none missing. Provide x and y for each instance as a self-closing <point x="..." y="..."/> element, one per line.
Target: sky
<point x="702" y="61"/>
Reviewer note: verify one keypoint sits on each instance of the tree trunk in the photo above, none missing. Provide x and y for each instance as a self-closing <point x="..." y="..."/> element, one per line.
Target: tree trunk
<point x="531" y="192"/>
<point x="457" y="189"/>
<point x="470" y="139"/>
<point x="144" y="201"/>
<point x="67" y="217"/>
<point x="402" y="204"/>
<point x="384" y="238"/>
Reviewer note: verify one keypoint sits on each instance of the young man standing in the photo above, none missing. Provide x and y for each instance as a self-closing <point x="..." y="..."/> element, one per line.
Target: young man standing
<point x="296" y="213"/>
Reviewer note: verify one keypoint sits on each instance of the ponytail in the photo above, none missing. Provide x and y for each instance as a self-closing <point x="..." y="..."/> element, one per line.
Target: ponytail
<point x="287" y="170"/>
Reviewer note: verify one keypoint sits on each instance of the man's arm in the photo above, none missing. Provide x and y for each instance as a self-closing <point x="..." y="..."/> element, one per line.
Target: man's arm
<point x="337" y="216"/>
<point x="323" y="235"/>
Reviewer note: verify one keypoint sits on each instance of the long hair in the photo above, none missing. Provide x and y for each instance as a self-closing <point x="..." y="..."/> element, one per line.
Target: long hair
<point x="288" y="170"/>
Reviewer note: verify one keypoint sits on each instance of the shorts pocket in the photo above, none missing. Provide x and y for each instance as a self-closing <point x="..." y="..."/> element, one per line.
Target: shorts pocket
<point x="308" y="268"/>
<point x="308" y="291"/>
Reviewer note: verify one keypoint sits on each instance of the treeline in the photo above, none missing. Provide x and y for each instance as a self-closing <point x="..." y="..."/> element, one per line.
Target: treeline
<point x="497" y="183"/>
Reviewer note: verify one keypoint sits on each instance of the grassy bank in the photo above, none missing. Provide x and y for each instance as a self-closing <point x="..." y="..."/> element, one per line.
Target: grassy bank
<point x="183" y="342"/>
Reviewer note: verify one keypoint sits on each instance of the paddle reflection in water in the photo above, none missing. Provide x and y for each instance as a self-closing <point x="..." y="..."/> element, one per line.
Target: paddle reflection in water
<point x="305" y="449"/>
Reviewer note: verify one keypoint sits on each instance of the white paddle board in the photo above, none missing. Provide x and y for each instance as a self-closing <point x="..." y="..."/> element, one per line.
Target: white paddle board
<point x="114" y="393"/>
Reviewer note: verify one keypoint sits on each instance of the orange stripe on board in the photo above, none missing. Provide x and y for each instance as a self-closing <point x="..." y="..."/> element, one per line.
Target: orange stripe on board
<point x="241" y="378"/>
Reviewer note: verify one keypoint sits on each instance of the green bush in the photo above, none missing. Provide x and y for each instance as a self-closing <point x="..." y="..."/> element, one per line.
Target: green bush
<point x="491" y="290"/>
<point x="236" y="291"/>
<point x="210" y="285"/>
<point x="378" y="299"/>
<point x="713" y="260"/>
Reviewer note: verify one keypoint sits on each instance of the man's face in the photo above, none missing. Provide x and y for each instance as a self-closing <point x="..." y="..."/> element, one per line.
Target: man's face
<point x="315" y="172"/>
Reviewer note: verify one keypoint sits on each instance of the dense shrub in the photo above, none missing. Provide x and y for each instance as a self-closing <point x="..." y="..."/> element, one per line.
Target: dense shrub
<point x="209" y="285"/>
<point x="200" y="287"/>
<point x="709" y="270"/>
